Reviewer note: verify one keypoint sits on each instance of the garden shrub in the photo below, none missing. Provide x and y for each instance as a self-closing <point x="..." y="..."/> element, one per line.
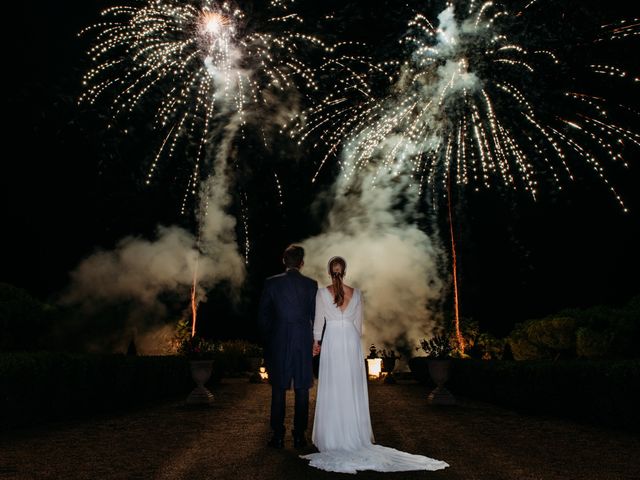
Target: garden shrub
<point x="595" y="332"/>
<point x="231" y="359"/>
<point x="598" y="391"/>
<point x="36" y="387"/>
<point x="545" y="338"/>
<point x="490" y="347"/>
<point x="555" y="334"/>
<point x="591" y="343"/>
<point x="24" y="320"/>
<point x="522" y="346"/>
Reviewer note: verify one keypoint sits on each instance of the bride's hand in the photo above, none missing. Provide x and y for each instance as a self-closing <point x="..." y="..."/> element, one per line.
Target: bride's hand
<point x="316" y="348"/>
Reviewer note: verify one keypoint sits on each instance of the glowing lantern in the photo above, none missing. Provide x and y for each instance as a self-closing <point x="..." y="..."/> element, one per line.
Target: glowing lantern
<point x="263" y="374"/>
<point x="374" y="366"/>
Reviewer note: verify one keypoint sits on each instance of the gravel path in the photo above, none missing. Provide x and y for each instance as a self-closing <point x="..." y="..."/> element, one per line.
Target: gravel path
<point x="228" y="441"/>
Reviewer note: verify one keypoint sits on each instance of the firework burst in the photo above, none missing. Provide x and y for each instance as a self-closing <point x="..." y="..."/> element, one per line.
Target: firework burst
<point x="205" y="70"/>
<point x="476" y="99"/>
<point x="202" y="67"/>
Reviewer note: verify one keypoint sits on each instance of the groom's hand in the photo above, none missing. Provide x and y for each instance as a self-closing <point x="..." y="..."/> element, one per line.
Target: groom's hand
<point x="316" y="348"/>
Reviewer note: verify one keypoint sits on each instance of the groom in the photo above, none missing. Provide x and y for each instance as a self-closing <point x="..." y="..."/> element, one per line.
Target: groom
<point x="287" y="309"/>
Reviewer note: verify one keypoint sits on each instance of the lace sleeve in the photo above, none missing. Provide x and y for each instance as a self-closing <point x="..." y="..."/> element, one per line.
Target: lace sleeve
<point x="358" y="321"/>
<point x="318" y="323"/>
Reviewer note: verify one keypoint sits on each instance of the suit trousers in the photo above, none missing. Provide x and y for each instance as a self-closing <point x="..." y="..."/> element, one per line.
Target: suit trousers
<point x="278" y="405"/>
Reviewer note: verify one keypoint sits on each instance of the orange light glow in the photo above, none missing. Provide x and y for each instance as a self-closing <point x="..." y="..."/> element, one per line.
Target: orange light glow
<point x="194" y="303"/>
<point x="459" y="338"/>
<point x="213" y="23"/>
<point x="194" y="309"/>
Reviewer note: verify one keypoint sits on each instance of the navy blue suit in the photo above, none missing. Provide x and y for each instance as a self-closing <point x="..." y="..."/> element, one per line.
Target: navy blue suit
<point x="287" y="311"/>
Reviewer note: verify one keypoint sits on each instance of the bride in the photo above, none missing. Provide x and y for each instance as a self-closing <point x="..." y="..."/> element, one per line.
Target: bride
<point x="342" y="426"/>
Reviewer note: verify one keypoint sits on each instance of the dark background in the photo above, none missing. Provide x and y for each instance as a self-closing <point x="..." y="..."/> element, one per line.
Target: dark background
<point x="69" y="186"/>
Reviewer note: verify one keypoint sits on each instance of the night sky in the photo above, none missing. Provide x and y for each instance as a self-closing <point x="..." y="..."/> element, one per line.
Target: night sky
<point x="70" y="186"/>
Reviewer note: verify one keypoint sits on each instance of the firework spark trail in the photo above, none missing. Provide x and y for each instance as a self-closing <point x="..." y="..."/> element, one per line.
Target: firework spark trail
<point x="194" y="300"/>
<point x="454" y="268"/>
<point x="245" y="226"/>
<point x="620" y="29"/>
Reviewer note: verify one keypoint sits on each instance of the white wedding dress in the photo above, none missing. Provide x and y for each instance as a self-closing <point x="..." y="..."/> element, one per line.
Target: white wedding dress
<point x="342" y="426"/>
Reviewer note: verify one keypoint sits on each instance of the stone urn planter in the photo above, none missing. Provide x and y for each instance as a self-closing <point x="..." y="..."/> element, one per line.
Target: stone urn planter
<point x="388" y="366"/>
<point x="439" y="373"/>
<point x="254" y="364"/>
<point x="201" y="373"/>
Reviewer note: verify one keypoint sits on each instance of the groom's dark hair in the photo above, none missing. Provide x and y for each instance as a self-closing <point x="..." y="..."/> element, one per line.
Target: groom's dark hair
<point x="293" y="256"/>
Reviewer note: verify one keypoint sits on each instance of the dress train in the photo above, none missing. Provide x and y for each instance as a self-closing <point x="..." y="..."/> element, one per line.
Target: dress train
<point x="342" y="426"/>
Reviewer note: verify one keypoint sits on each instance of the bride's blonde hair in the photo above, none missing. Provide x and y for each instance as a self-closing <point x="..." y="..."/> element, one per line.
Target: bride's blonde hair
<point x="336" y="279"/>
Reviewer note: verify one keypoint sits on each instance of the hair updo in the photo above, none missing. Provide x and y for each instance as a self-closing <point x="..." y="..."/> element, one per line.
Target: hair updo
<point x="336" y="279"/>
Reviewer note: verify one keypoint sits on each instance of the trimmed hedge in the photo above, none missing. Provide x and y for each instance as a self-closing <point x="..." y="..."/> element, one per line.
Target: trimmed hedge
<point x="598" y="391"/>
<point x="43" y="386"/>
<point x="596" y="333"/>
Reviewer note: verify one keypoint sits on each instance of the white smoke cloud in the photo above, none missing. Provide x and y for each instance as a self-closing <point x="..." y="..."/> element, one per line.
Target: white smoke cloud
<point x="391" y="260"/>
<point x="225" y="72"/>
<point x="396" y="264"/>
<point x="138" y="271"/>
<point x="448" y="33"/>
<point x="453" y="77"/>
<point x="411" y="122"/>
<point x="156" y="341"/>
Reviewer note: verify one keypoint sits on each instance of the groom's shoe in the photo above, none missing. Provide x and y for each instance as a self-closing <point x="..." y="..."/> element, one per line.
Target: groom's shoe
<point x="277" y="441"/>
<point x="299" y="440"/>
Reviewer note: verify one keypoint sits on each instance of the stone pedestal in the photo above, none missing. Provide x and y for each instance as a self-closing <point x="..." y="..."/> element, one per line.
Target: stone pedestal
<point x="389" y="379"/>
<point x="441" y="396"/>
<point x="439" y="372"/>
<point x="201" y="373"/>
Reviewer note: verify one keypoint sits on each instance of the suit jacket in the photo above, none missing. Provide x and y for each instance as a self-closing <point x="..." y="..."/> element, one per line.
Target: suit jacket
<point x="287" y="311"/>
